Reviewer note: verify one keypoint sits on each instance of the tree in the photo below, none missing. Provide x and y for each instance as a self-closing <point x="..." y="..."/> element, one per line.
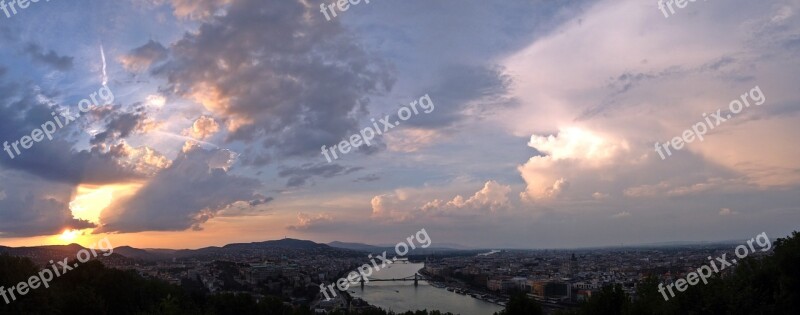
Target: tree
<point x="521" y="304"/>
<point x="770" y="285"/>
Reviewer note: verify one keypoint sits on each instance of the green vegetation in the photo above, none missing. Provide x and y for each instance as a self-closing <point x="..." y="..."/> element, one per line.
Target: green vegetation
<point x="770" y="285"/>
<point x="521" y="304"/>
<point x="95" y="289"/>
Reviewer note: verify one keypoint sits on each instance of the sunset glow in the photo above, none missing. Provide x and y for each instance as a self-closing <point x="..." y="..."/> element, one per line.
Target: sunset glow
<point x="90" y="201"/>
<point x="69" y="236"/>
<point x="218" y="118"/>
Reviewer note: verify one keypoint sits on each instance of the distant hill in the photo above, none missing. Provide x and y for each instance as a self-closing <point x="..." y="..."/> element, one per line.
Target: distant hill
<point x="41" y="255"/>
<point x="453" y="246"/>
<point x="379" y="248"/>
<point x="154" y="254"/>
<point x="284" y="243"/>
<point x="141" y="254"/>
<point x="158" y="254"/>
<point x="355" y="246"/>
<point x="23" y="251"/>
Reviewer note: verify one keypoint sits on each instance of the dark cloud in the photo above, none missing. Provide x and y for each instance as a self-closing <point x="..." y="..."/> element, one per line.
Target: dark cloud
<point x="119" y="124"/>
<point x="299" y="176"/>
<point x="463" y="91"/>
<point x="368" y="178"/>
<point x="25" y="108"/>
<point x="140" y="59"/>
<point x="57" y="161"/>
<point x="196" y="187"/>
<point x="255" y="207"/>
<point x="279" y="73"/>
<point x="258" y="202"/>
<point x="50" y="58"/>
<point x="32" y="207"/>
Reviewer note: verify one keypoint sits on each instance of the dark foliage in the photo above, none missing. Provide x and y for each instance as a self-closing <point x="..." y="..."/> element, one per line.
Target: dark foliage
<point x="520" y="304"/>
<point x="766" y="286"/>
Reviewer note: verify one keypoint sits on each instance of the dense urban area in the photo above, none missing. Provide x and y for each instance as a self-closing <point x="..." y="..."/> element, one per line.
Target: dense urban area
<point x="291" y="271"/>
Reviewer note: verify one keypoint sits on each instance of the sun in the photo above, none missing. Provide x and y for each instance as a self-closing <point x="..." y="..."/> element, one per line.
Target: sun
<point x="69" y="235"/>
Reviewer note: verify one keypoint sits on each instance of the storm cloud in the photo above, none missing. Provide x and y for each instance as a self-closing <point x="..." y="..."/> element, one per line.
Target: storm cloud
<point x="280" y="75"/>
<point x="194" y="189"/>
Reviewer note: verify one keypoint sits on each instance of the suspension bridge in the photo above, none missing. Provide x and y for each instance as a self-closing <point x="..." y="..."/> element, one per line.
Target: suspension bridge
<point x="416" y="277"/>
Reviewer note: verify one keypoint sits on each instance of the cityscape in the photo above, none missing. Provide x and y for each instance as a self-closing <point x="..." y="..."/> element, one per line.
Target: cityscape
<point x="294" y="270"/>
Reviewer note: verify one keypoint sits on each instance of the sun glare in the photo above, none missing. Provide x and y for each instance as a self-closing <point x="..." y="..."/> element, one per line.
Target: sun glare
<point x="69" y="236"/>
<point x="90" y="201"/>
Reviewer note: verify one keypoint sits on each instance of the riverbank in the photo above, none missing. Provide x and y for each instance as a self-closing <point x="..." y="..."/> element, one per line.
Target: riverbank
<point x="402" y="296"/>
<point x="465" y="289"/>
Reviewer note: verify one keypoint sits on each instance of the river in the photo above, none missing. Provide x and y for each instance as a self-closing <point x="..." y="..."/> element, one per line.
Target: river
<point x="401" y="296"/>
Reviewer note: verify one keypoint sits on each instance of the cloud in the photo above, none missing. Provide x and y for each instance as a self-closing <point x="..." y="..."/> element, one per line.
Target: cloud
<point x="202" y="128"/>
<point x="283" y="76"/>
<point x="309" y="221"/>
<point x="193" y="189"/>
<point x="646" y="190"/>
<point x="33" y="207"/>
<point x="643" y="92"/>
<point x="492" y="197"/>
<point x="401" y="206"/>
<point x="255" y="207"/>
<point x="726" y="212"/>
<point x="141" y="160"/>
<point x="368" y="178"/>
<point x="261" y="201"/>
<point x="623" y="214"/>
<point x="385" y="205"/>
<point x="565" y="157"/>
<point x="411" y="140"/>
<point x="119" y="124"/>
<point x="24" y="108"/>
<point x="299" y="176"/>
<point x="674" y="189"/>
<point x="140" y="59"/>
<point x="468" y="91"/>
<point x="51" y="58"/>
<point x="198" y="9"/>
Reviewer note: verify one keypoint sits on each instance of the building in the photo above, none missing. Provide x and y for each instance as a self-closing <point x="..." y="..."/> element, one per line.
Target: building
<point x="551" y="289"/>
<point x="260" y="272"/>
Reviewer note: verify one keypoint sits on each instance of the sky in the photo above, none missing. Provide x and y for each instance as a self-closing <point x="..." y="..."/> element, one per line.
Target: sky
<point x="540" y="129"/>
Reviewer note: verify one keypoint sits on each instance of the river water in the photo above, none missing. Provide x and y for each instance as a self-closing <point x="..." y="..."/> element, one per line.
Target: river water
<point x="401" y="296"/>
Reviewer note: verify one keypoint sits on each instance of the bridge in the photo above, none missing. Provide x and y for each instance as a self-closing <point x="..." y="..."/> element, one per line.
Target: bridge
<point x="416" y="277"/>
